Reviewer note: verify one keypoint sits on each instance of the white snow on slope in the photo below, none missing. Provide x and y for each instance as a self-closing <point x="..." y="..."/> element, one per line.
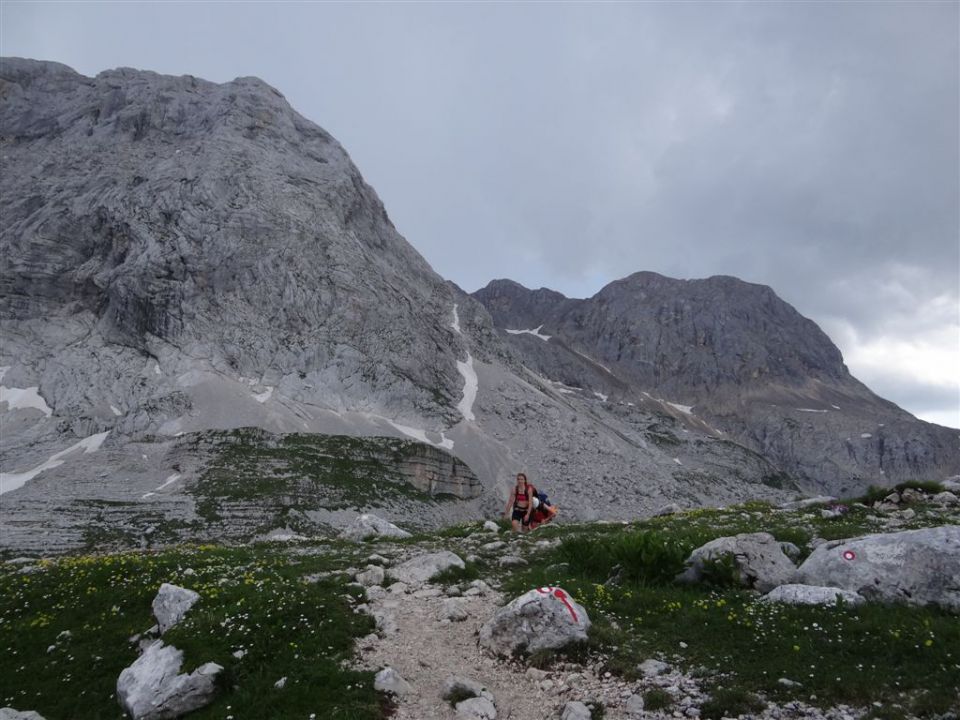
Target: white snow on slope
<point x="115" y="411"/>
<point x="421" y="435"/>
<point x="811" y="410"/>
<point x="24" y="398"/>
<point x="866" y="435"/>
<point x="470" y="387"/>
<point x="12" y="481"/>
<point x="601" y="395"/>
<point x="685" y="409"/>
<point x="264" y="396"/>
<point x="172" y="479"/>
<point x="456" y="320"/>
<point x="535" y="332"/>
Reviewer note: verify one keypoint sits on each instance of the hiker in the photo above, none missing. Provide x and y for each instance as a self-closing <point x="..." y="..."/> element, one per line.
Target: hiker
<point x="520" y="504"/>
<point x="543" y="510"/>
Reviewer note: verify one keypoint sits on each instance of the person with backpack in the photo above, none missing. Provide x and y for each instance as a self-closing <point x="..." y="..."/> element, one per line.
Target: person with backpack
<point x="543" y="510"/>
<point x="520" y="504"/>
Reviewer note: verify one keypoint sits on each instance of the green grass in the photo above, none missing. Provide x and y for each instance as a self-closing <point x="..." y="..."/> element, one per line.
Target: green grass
<point x="891" y="654"/>
<point x="657" y="699"/>
<point x="251" y="599"/>
<point x="303" y="472"/>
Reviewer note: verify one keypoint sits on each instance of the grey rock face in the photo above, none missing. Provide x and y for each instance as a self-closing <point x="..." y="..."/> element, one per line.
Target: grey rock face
<point x="916" y="567"/>
<point x="795" y="594"/>
<point x="544" y="618"/>
<point x="171" y="604"/>
<point x="759" y="560"/>
<point x="152" y="688"/>
<point x="746" y="362"/>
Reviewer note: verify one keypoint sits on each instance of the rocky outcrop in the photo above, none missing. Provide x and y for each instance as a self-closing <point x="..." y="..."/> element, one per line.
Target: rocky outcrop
<point x="917" y="567"/>
<point x="369" y="525"/>
<point x="758" y="561"/>
<point x="542" y="619"/>
<point x="421" y="568"/>
<point x="795" y="594"/>
<point x="153" y="688"/>
<point x="171" y="604"/>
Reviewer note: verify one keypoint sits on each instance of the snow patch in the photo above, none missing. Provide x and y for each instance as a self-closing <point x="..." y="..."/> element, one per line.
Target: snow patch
<point x="677" y="461"/>
<point x="535" y="332"/>
<point x="685" y="409"/>
<point x="115" y="411"/>
<point x="172" y="479"/>
<point x="811" y="410"/>
<point x="421" y="435"/>
<point x="24" y="398"/>
<point x="456" y="320"/>
<point x="601" y="395"/>
<point x="156" y="368"/>
<point x="470" y="386"/>
<point x="264" y="396"/>
<point x="866" y="435"/>
<point x="12" y="481"/>
<point x="835" y="407"/>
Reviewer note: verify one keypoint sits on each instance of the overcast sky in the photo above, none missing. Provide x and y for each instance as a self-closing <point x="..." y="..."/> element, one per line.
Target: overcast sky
<point x="812" y="147"/>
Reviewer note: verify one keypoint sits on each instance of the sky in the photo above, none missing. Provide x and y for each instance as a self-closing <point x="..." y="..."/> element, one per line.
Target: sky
<point x="810" y="146"/>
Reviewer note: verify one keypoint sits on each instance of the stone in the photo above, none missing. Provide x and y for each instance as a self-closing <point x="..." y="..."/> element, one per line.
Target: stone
<point x="455" y="686"/>
<point x="945" y="498"/>
<point x="787" y="682"/>
<point x="493" y="546"/>
<point x="375" y="592"/>
<point x="634" y="706"/>
<point x="171" y="604"/>
<point x="795" y="594"/>
<point x="389" y="680"/>
<point x="541" y="619"/>
<point x="758" y="557"/>
<point x="11" y="714"/>
<point x="670" y="509"/>
<point x="369" y="525"/>
<point x="453" y="611"/>
<point x="808" y="502"/>
<point x="916" y="567"/>
<point x="491" y="526"/>
<point x="512" y="561"/>
<point x="281" y="683"/>
<point x="790" y="550"/>
<point x="373" y="575"/>
<point x="652" y="668"/>
<point x="477" y="708"/>
<point x="422" y="568"/>
<point x="152" y="688"/>
<point x="575" y="710"/>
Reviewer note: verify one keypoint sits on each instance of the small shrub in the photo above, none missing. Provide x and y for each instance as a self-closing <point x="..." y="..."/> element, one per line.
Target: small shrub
<point x="721" y="572"/>
<point x="730" y="702"/>
<point x="657" y="699"/>
<point x="644" y="557"/>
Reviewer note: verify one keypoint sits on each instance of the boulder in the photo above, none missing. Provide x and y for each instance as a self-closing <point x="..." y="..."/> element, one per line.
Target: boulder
<point x="491" y="526"/>
<point x="11" y="714"/>
<point x="758" y="557"/>
<point x="369" y="525"/>
<point x="453" y="611"/>
<point x="152" y="688"/>
<point x="917" y="567"/>
<point x="946" y="498"/>
<point x="544" y="618"/>
<point x="421" y="568"/>
<point x="652" y="668"/>
<point x="811" y="595"/>
<point x="455" y="686"/>
<point x="373" y="575"/>
<point x="952" y="484"/>
<point x="389" y="680"/>
<point x="476" y="708"/>
<point x="575" y="710"/>
<point x="171" y="604"/>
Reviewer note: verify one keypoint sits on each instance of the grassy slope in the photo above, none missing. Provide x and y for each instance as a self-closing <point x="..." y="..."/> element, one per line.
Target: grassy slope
<point x="905" y="659"/>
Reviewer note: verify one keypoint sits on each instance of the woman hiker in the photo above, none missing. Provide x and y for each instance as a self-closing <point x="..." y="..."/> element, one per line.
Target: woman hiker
<point x="521" y="502"/>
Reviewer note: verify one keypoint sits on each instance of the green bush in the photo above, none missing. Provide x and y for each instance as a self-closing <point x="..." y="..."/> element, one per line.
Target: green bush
<point x="657" y="699"/>
<point x="638" y="557"/>
<point x="730" y="702"/>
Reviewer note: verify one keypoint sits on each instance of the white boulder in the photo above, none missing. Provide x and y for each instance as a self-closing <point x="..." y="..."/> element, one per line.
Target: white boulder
<point x="389" y="680"/>
<point x="152" y="688"/>
<point x="917" y="567"/>
<point x="421" y="568"/>
<point x="575" y="710"/>
<point x="171" y="604"/>
<point x="369" y="525"/>
<point x="544" y="618"/>
<point x="796" y="594"/>
<point x="476" y="708"/>
<point x="758" y="558"/>
<point x="11" y="714"/>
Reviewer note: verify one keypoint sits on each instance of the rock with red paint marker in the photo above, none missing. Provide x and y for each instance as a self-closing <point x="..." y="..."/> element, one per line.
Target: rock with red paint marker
<point x="544" y="618"/>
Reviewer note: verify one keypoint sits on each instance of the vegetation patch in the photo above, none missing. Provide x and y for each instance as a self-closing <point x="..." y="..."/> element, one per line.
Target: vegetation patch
<point x="65" y="629"/>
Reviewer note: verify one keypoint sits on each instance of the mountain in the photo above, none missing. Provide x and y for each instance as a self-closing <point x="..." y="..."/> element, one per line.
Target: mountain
<point x="198" y="291"/>
<point x="740" y="359"/>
